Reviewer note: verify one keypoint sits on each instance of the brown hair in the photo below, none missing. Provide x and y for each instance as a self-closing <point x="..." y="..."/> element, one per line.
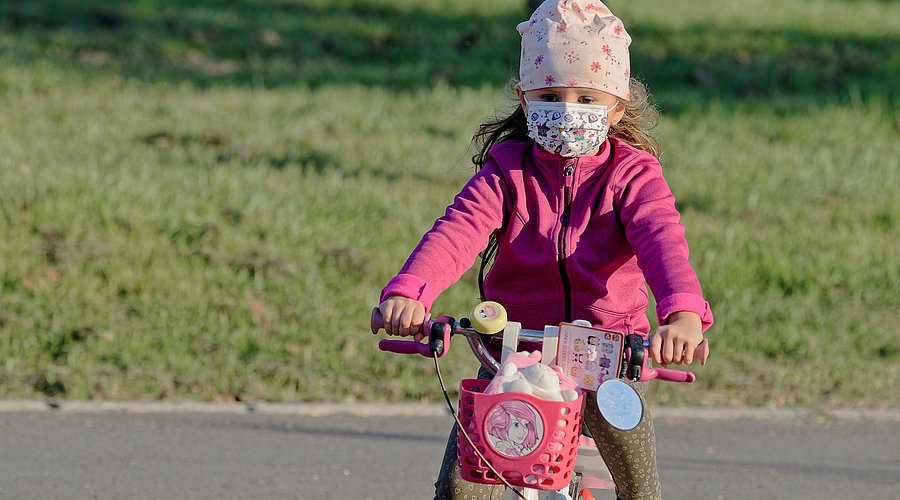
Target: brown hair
<point x="635" y="128"/>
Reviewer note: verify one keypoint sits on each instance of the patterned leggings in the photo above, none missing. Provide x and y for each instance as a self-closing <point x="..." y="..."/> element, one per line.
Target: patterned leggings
<point x="629" y="455"/>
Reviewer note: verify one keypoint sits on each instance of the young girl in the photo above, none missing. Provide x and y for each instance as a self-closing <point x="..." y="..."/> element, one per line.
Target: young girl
<point x="570" y="201"/>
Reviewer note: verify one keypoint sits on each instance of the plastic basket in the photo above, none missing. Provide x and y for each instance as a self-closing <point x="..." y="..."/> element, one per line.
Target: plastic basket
<point x="540" y="457"/>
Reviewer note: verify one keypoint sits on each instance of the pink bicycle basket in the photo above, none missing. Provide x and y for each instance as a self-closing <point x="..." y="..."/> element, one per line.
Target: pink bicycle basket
<point x="530" y="441"/>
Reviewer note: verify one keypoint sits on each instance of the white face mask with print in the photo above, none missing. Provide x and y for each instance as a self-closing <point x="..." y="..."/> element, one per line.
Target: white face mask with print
<point x="567" y="129"/>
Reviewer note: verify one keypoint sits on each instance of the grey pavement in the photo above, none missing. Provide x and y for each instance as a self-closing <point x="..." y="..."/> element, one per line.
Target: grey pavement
<point x="324" y="452"/>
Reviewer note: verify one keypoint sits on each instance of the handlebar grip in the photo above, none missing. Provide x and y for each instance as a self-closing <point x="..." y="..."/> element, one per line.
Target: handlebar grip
<point x="404" y="347"/>
<point x="668" y="375"/>
<point x="377" y="321"/>
<point x="438" y="333"/>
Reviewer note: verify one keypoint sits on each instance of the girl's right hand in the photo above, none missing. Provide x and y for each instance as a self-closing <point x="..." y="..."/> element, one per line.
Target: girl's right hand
<point x="403" y="316"/>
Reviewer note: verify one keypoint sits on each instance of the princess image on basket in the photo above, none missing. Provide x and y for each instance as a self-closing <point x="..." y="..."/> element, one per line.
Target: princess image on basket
<point x="514" y="428"/>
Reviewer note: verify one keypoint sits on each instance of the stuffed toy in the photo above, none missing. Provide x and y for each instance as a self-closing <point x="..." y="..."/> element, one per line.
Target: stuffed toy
<point x="523" y="372"/>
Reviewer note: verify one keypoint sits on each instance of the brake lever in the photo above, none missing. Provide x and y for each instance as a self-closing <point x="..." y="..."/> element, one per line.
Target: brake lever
<point x="438" y="333"/>
<point x="636" y="356"/>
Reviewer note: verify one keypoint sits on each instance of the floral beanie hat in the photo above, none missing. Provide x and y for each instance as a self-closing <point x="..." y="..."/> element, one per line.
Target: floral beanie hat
<point x="575" y="43"/>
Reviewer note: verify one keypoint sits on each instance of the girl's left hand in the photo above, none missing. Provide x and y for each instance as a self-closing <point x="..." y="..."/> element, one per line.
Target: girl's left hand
<point x="680" y="340"/>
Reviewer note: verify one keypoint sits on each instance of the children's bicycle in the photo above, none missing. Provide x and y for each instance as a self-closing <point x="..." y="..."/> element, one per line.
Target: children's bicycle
<point x="554" y="459"/>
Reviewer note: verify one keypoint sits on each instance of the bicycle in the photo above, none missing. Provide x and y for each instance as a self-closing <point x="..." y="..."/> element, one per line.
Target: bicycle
<point x="565" y="464"/>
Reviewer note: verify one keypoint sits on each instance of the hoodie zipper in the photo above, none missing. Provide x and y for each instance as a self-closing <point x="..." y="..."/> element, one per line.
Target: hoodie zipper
<point x="561" y="242"/>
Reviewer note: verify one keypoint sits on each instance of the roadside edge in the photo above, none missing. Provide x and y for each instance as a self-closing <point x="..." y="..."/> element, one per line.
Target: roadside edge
<point x="420" y="410"/>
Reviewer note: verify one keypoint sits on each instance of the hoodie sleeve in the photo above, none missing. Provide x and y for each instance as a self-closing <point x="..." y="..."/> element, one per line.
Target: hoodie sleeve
<point x="449" y="249"/>
<point x="653" y="227"/>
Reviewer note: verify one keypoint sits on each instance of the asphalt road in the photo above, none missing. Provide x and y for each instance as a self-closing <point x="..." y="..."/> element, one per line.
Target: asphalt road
<point x="106" y="455"/>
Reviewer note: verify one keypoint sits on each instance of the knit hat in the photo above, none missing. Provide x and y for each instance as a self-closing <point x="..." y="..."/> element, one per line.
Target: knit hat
<point x="575" y="43"/>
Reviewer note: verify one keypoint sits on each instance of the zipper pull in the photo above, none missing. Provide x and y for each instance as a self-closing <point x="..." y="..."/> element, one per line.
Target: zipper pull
<point x="569" y="172"/>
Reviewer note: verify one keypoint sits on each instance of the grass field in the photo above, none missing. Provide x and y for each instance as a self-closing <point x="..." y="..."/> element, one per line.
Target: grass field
<point x="202" y="200"/>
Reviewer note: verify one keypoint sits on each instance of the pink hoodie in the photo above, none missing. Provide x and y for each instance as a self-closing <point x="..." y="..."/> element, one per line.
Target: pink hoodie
<point x="578" y="237"/>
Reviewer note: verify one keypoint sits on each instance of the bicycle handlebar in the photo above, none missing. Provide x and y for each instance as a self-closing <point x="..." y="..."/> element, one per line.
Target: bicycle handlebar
<point x="439" y="330"/>
<point x="668" y="375"/>
<point x="438" y="334"/>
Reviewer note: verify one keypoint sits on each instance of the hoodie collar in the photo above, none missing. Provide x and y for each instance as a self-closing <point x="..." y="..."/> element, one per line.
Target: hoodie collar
<point x="554" y="161"/>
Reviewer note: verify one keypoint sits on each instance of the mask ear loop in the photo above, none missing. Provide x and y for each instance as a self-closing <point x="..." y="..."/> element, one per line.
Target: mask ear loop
<point x="610" y="125"/>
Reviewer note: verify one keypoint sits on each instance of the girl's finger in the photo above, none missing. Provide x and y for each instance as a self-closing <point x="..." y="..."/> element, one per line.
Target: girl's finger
<point x="668" y="348"/>
<point x="702" y="351"/>
<point x="387" y="312"/>
<point x="655" y="348"/>
<point x="418" y="317"/>
<point x="688" y="355"/>
<point x="395" y="322"/>
<point x="678" y="347"/>
<point x="406" y="322"/>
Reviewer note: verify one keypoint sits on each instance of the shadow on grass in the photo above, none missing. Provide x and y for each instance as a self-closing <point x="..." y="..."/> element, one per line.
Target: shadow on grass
<point x="252" y="43"/>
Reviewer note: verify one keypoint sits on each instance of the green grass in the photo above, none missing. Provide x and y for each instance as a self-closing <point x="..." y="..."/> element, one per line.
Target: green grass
<point x="202" y="200"/>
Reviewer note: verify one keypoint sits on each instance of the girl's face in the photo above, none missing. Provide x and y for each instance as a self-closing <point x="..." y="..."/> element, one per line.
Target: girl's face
<point x="574" y="95"/>
<point x="518" y="430"/>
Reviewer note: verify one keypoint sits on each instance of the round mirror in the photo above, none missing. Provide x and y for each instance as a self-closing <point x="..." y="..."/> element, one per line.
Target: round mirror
<point x="619" y="404"/>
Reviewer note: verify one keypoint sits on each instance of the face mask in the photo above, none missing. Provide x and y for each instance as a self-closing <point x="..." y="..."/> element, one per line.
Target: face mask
<point x="567" y="129"/>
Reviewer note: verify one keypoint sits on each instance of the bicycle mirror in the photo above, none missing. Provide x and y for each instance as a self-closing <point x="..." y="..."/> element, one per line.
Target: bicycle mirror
<point x="619" y="404"/>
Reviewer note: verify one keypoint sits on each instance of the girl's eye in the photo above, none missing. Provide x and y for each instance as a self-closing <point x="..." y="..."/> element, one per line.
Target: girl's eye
<point x="586" y="100"/>
<point x="516" y="425"/>
<point x="549" y="98"/>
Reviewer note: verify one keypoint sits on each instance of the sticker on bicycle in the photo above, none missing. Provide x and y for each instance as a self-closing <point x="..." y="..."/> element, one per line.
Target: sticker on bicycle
<point x="514" y="428"/>
<point x="589" y="355"/>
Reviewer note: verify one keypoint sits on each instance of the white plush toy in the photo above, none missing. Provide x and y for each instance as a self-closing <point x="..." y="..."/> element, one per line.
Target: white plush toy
<point x="523" y="372"/>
